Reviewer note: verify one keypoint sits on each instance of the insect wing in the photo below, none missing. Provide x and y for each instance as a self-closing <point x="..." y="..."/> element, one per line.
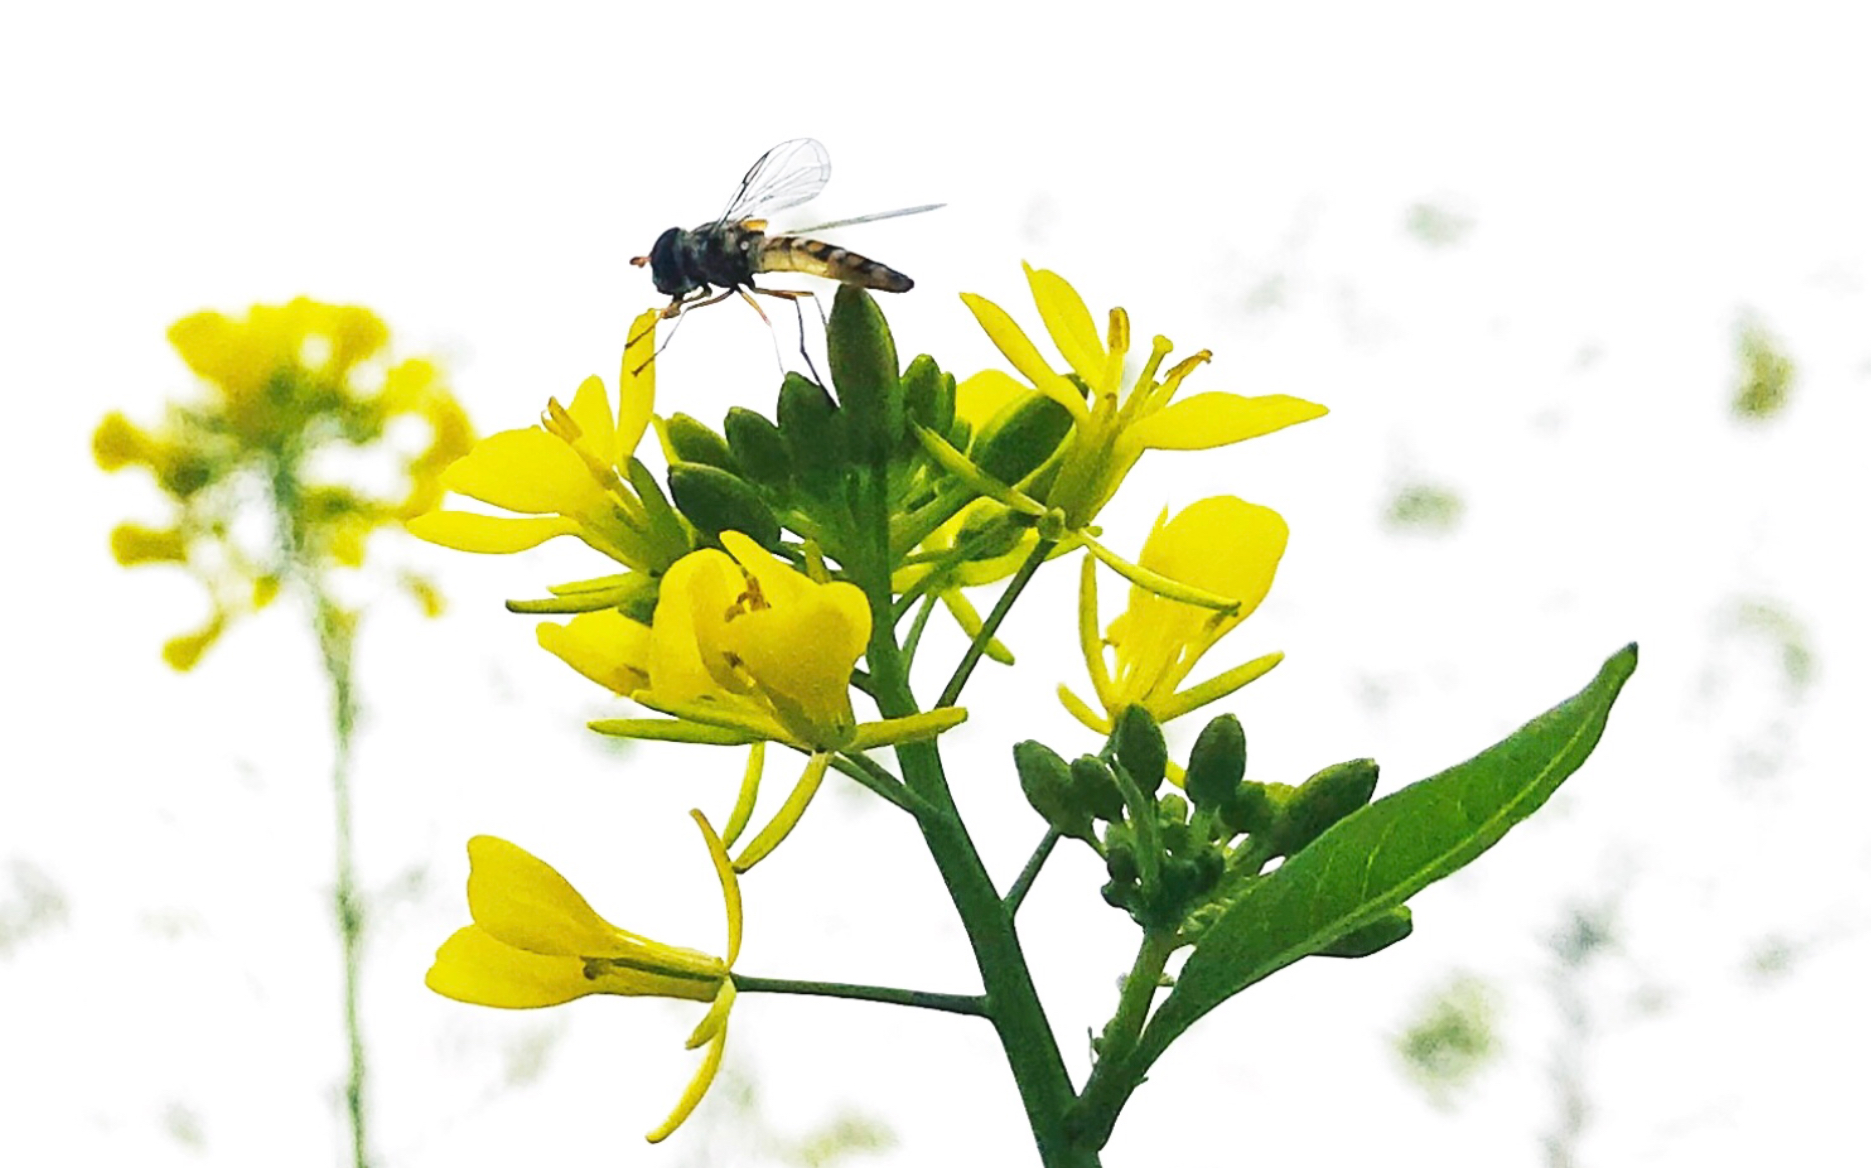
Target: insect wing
<point x="784" y="176"/>
<point x="871" y="218"/>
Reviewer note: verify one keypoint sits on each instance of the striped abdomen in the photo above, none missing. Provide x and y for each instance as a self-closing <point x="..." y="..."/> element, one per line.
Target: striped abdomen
<point x="794" y="253"/>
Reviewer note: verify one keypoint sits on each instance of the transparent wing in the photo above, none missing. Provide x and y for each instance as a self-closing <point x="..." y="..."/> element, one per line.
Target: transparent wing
<point x="871" y="218"/>
<point x="784" y="176"/>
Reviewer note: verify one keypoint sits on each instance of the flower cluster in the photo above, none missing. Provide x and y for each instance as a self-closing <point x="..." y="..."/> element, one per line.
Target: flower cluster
<point x="761" y="597"/>
<point x="287" y="382"/>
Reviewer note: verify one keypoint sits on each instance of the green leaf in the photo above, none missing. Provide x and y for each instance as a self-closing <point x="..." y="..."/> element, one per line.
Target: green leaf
<point x="1379" y="856"/>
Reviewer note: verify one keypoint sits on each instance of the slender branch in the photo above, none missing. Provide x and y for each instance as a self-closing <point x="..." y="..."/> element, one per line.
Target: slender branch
<point x="1024" y="881"/>
<point x="873" y="777"/>
<point x="915" y="635"/>
<point x="970" y="1004"/>
<point x="1112" y="1079"/>
<point x="952" y="691"/>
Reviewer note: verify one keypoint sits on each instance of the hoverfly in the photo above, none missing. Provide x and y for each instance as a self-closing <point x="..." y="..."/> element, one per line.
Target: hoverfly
<point x="687" y="265"/>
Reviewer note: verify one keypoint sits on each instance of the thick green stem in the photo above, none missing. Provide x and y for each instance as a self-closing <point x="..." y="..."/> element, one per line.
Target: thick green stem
<point x="973" y="1004"/>
<point x="1012" y="1001"/>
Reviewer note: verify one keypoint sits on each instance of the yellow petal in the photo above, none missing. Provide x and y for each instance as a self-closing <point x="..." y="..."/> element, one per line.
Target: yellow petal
<point x="1222" y="545"/>
<point x="778" y="582"/>
<point x="692" y="606"/>
<point x="529" y="471"/>
<point x="606" y="646"/>
<point x="801" y="657"/>
<point x="1021" y="354"/>
<point x="591" y="413"/>
<point x="472" y="967"/>
<point x="979" y="398"/>
<point x="1208" y="420"/>
<point x="492" y="534"/>
<point x="1069" y="322"/>
<point x="522" y="902"/>
<point x="636" y="390"/>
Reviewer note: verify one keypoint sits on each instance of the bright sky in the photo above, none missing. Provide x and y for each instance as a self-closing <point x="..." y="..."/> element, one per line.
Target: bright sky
<point x="1633" y="181"/>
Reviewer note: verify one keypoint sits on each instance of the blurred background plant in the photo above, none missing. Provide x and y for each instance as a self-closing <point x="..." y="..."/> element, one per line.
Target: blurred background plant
<point x="277" y="476"/>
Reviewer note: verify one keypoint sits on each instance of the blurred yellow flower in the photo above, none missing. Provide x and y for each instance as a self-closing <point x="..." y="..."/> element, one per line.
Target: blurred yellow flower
<point x="573" y="474"/>
<point x="287" y="382"/>
<point x="1221" y="545"/>
<point x="536" y="942"/>
<point x="1112" y="427"/>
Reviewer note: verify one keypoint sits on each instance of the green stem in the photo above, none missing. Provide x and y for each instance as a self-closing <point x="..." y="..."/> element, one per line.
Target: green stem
<point x="873" y="777"/>
<point x="335" y="645"/>
<point x="335" y="641"/>
<point x="1112" y="1080"/>
<point x="952" y="691"/>
<point x="1012" y="1001"/>
<point x="1028" y="874"/>
<point x="973" y="1004"/>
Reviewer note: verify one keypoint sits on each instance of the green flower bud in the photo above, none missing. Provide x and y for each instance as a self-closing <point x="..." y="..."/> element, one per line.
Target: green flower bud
<point x="1095" y="788"/>
<point x="716" y="501"/>
<point x="813" y="428"/>
<point x="1381" y="933"/>
<point x="864" y="370"/>
<point x="1141" y="749"/>
<point x="1216" y="763"/>
<point x="1255" y="807"/>
<point x="1013" y="443"/>
<point x="1324" y="799"/>
<point x="1210" y="864"/>
<point x="695" y="442"/>
<point x="1120" y="862"/>
<point x="929" y="395"/>
<point x="1120" y="895"/>
<point x="1047" y="782"/>
<point x="758" y="448"/>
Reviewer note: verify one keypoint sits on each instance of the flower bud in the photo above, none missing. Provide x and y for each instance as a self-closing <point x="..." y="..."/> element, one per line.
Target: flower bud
<point x="864" y="370"/>
<point x="1015" y="441"/>
<point x="1324" y="799"/>
<point x="1216" y="762"/>
<point x="929" y="394"/>
<point x="1254" y="808"/>
<point x="1095" y="788"/>
<point x="1047" y="782"/>
<point x="1141" y="749"/>
<point x="758" y="449"/>
<point x="695" y="442"/>
<point x="813" y="428"/>
<point x="1381" y="933"/>
<point x="716" y="501"/>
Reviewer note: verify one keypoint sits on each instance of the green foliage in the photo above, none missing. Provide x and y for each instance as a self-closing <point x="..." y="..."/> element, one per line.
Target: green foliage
<point x="1425" y="507"/>
<point x="1452" y="1039"/>
<point x="1766" y="379"/>
<point x="1373" y="860"/>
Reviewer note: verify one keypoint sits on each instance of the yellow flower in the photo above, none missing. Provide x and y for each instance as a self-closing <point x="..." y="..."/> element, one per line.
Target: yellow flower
<point x="573" y="474"/>
<point x="287" y="384"/>
<point x="536" y="942"/>
<point x="1223" y="546"/>
<point x="740" y="639"/>
<point x="1112" y="427"/>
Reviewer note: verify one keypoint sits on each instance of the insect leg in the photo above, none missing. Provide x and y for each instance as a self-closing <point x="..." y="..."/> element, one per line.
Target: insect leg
<point x="796" y="297"/>
<point x="678" y="308"/>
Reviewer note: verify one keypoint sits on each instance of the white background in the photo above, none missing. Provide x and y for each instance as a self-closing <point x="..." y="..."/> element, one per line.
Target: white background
<point x="1636" y="178"/>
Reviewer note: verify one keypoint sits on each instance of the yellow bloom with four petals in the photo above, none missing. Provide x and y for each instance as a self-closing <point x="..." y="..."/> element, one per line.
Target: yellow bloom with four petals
<point x="1112" y="425"/>
<point x="536" y="942"/>
<point x="573" y="474"/>
<point x="1221" y="545"/>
